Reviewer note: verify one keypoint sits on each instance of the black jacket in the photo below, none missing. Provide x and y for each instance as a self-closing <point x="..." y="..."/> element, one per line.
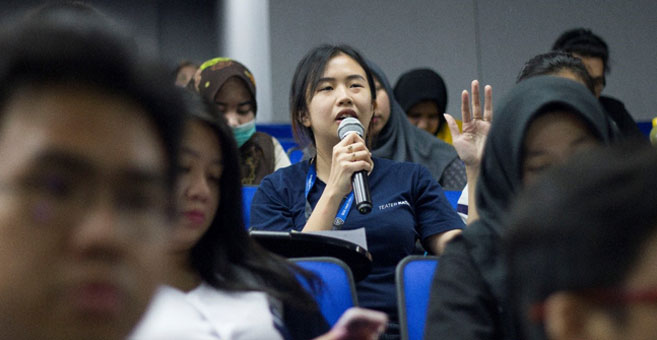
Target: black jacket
<point x="623" y="121"/>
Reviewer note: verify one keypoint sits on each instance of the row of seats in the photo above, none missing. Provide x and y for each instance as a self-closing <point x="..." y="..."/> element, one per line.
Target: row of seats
<point x="413" y="279"/>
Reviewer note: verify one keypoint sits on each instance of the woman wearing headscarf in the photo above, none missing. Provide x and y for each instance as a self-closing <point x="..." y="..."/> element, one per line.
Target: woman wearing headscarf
<point x="397" y="139"/>
<point x="231" y="87"/>
<point x="470" y="148"/>
<point x="422" y="95"/>
<point x="539" y="124"/>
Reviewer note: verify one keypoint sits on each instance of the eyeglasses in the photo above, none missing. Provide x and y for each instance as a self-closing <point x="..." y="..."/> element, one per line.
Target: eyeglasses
<point x="59" y="198"/>
<point x="604" y="296"/>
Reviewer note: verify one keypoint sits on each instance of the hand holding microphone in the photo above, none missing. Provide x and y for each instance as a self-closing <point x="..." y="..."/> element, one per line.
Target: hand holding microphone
<point x="359" y="182"/>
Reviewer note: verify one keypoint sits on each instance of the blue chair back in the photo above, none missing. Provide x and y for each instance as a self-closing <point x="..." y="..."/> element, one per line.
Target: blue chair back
<point x="247" y="196"/>
<point x="414" y="275"/>
<point x="453" y="197"/>
<point x="295" y="154"/>
<point x="338" y="291"/>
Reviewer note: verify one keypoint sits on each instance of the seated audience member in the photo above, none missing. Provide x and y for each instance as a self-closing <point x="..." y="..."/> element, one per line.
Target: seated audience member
<point x="539" y="124"/>
<point x="219" y="283"/>
<point x="582" y="249"/>
<point x="332" y="83"/>
<point x="594" y="53"/>
<point x="422" y="94"/>
<point x="394" y="137"/>
<point x="87" y="145"/>
<point x="184" y="73"/>
<point x="231" y="87"/>
<point x="558" y="64"/>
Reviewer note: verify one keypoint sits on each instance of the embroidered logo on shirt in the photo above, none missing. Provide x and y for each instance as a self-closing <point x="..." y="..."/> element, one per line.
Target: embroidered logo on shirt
<point x="393" y="204"/>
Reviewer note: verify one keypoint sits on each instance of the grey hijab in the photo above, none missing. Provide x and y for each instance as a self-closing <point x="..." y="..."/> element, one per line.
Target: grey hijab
<point x="400" y="140"/>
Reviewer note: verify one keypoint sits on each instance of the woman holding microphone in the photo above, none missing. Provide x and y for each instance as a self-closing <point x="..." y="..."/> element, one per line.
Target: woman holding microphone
<point x="332" y="83"/>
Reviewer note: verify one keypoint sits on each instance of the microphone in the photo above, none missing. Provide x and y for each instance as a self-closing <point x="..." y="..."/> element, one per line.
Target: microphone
<point x="359" y="179"/>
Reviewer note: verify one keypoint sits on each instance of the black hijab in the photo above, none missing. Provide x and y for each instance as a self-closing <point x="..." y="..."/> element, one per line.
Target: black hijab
<point x="418" y="85"/>
<point x="401" y="141"/>
<point x="500" y="177"/>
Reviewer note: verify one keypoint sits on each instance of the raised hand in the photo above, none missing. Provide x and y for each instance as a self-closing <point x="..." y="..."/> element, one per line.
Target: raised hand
<point x="469" y="143"/>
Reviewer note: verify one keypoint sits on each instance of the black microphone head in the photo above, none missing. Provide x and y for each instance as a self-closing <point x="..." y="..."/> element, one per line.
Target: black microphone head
<point x="350" y="124"/>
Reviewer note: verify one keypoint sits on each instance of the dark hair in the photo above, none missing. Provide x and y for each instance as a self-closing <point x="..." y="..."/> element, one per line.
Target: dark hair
<point x="305" y="80"/>
<point x="583" y="42"/>
<point x="226" y="257"/>
<point x="551" y="63"/>
<point x="574" y="232"/>
<point x="71" y="48"/>
<point x="65" y="6"/>
<point x="70" y="10"/>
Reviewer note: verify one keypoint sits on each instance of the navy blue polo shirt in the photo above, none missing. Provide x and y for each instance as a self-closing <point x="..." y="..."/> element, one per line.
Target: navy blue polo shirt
<point x="407" y="204"/>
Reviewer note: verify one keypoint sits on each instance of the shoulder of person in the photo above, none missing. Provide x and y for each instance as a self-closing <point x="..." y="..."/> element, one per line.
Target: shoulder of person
<point x="274" y="140"/>
<point x="612" y="105"/>
<point x="396" y="169"/>
<point x="389" y="164"/>
<point x="287" y="175"/>
<point x="606" y="100"/>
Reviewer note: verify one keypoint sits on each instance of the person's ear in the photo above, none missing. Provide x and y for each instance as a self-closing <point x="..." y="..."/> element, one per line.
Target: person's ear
<point x="304" y="119"/>
<point x="571" y="316"/>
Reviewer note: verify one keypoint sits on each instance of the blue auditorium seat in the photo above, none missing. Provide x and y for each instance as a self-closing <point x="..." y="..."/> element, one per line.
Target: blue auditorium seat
<point x="452" y="197"/>
<point x="338" y="292"/>
<point x="247" y="196"/>
<point x="414" y="275"/>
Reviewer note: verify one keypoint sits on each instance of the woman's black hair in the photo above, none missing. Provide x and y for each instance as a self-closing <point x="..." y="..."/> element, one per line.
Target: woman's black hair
<point x="226" y="257"/>
<point x="582" y="227"/>
<point x="73" y="48"/>
<point x="64" y="7"/>
<point x="583" y="42"/>
<point x="305" y="81"/>
<point x="551" y="63"/>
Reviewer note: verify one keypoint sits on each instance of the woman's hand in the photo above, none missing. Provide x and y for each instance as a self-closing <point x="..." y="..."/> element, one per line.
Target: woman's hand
<point x="357" y="324"/>
<point x="469" y="144"/>
<point x="349" y="156"/>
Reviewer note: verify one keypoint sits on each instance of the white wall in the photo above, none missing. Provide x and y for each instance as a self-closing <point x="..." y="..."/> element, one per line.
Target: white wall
<point x="244" y="28"/>
<point x="461" y="39"/>
<point x="464" y="40"/>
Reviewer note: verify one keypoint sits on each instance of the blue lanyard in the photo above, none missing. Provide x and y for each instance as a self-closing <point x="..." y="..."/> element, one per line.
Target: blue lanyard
<point x="344" y="209"/>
